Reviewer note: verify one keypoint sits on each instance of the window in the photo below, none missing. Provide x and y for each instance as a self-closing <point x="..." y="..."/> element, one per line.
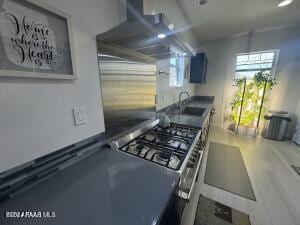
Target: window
<point x="176" y="72"/>
<point x="247" y="65"/>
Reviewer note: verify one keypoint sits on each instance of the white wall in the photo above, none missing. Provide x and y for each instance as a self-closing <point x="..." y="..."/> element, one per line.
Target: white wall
<point x="298" y="112"/>
<point x="221" y="59"/>
<point x="296" y="136"/>
<point x="36" y="115"/>
<point x="167" y="95"/>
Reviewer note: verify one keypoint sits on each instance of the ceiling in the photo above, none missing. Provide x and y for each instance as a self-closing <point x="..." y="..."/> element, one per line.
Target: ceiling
<point x="225" y="18"/>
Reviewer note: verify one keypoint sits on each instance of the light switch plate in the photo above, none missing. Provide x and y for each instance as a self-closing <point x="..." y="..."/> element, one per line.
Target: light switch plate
<point x="79" y="115"/>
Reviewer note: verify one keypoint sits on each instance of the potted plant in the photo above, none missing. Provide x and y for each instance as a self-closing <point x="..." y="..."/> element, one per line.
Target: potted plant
<point x="248" y="106"/>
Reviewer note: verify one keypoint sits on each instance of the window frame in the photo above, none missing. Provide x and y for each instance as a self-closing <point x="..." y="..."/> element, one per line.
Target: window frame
<point x="275" y="61"/>
<point x="179" y="71"/>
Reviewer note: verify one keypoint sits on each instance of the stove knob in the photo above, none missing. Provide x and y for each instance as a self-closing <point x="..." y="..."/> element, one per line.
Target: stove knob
<point x="197" y="150"/>
<point x="192" y="159"/>
<point x="195" y="154"/>
<point x="190" y="164"/>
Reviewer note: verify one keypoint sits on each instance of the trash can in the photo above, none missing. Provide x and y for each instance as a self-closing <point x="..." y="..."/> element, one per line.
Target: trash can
<point x="276" y="123"/>
<point x="296" y="137"/>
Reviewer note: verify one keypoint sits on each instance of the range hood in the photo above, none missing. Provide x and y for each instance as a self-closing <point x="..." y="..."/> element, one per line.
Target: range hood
<point x="137" y="39"/>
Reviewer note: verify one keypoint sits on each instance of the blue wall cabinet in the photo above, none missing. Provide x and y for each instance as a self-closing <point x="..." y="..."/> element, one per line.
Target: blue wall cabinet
<point x="198" y="68"/>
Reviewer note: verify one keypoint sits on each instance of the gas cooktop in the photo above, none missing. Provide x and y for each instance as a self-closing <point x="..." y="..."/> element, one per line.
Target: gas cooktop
<point x="167" y="147"/>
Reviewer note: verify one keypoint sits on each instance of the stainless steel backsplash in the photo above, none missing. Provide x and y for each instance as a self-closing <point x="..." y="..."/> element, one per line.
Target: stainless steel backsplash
<point x="128" y="92"/>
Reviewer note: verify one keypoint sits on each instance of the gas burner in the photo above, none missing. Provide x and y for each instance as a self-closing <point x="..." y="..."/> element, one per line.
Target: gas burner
<point x="165" y="146"/>
<point x="140" y="147"/>
<point x="179" y="131"/>
<point x="136" y="149"/>
<point x="132" y="148"/>
<point x="163" y="139"/>
<point x="173" y="161"/>
<point x="164" y="156"/>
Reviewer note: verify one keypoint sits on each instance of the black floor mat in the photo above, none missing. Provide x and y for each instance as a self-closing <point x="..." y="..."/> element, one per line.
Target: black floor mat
<point x="225" y="169"/>
<point x="210" y="212"/>
<point x="297" y="169"/>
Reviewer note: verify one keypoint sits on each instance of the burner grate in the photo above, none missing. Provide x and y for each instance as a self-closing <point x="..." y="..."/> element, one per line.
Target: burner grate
<point x="166" y="147"/>
<point x="153" y="154"/>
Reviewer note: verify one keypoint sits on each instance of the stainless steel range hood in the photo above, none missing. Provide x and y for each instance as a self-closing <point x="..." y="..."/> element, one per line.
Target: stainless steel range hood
<point x="137" y="40"/>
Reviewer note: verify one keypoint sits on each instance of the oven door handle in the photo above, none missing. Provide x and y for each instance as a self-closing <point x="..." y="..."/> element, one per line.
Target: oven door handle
<point x="183" y="194"/>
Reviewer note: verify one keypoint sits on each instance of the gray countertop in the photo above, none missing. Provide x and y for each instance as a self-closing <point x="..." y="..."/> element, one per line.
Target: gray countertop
<point x="108" y="187"/>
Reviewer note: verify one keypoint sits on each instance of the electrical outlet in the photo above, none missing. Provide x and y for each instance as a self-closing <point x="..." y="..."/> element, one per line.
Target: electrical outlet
<point x="79" y="115"/>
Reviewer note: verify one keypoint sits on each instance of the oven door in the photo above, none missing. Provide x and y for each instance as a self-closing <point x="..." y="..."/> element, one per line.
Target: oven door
<point x="185" y="197"/>
<point x="188" y="206"/>
<point x="188" y="182"/>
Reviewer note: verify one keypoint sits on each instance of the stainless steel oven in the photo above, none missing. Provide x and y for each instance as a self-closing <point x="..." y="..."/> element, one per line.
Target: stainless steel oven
<point x="178" y="148"/>
<point x="187" y="198"/>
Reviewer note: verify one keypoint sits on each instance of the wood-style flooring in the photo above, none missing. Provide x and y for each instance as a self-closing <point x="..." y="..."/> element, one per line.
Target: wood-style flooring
<point x="276" y="185"/>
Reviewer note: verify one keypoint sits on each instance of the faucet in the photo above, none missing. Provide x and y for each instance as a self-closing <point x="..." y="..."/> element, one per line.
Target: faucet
<point x="183" y="92"/>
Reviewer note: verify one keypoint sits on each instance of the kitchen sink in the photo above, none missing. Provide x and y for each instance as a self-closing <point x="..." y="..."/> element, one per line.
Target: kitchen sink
<point x="194" y="111"/>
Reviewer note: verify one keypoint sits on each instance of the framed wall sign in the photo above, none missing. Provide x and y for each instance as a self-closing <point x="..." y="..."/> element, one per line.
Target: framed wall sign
<point x="35" y="41"/>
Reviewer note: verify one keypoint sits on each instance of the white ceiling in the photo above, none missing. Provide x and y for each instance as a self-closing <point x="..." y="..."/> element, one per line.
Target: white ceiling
<point x="225" y="18"/>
